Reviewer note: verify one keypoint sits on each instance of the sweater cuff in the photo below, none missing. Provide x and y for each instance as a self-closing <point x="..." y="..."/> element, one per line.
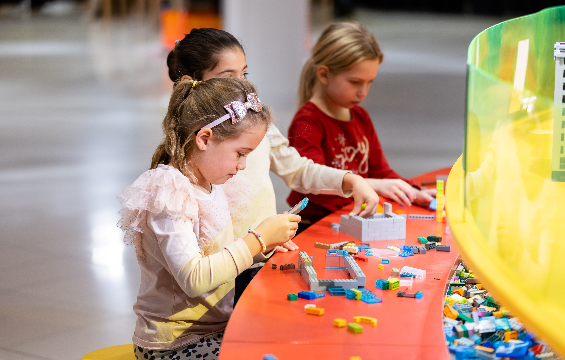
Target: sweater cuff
<point x="261" y="257"/>
<point x="240" y="254"/>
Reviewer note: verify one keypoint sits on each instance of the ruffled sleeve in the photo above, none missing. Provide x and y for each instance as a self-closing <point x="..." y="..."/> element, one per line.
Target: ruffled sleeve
<point x="164" y="189"/>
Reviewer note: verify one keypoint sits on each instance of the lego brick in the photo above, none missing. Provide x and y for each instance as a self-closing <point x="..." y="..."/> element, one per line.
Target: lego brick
<point x="365" y="319"/>
<point x="385" y="261"/>
<point x="288" y="267"/>
<point x="355" y="328"/>
<point x="381" y="266"/>
<point x="292" y="297"/>
<point x="421" y="217"/>
<point x="339" y="323"/>
<point x="395" y="272"/>
<point x="308" y="295"/>
<point x="315" y="311"/>
<point x="270" y="357"/>
<point x="274" y="266"/>
<point x="434" y="238"/>
<point x="422" y="250"/>
<point x="445" y="248"/>
<point x="336" y="291"/>
<point x="322" y="245"/>
<point x="430" y="246"/>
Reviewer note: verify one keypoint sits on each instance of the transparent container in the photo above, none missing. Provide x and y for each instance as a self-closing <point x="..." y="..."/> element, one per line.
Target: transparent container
<point x="505" y="197"/>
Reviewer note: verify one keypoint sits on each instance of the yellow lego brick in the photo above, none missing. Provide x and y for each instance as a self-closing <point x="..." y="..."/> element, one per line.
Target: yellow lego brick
<point x="381" y="266"/>
<point x="315" y="311"/>
<point x="366" y="319"/>
<point x="339" y="323"/>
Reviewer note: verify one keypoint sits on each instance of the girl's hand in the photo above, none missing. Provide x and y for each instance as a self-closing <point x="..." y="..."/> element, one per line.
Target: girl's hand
<point x="424" y="197"/>
<point x="395" y="189"/>
<point x="289" y="245"/>
<point x="278" y="229"/>
<point x="363" y="193"/>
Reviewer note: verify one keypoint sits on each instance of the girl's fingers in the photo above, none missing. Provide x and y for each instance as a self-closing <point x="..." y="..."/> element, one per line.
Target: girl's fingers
<point x="370" y="208"/>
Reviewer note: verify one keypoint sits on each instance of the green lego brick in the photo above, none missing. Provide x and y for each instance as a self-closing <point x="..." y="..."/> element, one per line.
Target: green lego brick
<point x="292" y="297"/>
<point x="464" y="317"/>
<point x="423" y="240"/>
<point x="491" y="303"/>
<point x="355" y="328"/>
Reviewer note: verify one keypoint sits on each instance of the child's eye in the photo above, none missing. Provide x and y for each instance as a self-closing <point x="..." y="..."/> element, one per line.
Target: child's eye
<point x="241" y="154"/>
<point x="244" y="76"/>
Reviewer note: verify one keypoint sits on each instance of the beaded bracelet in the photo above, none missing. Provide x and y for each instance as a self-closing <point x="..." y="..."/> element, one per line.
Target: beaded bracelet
<point x="258" y="236"/>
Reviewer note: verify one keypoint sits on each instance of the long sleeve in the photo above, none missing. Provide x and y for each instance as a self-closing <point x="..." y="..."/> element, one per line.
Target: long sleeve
<point x="195" y="274"/>
<point x="301" y="173"/>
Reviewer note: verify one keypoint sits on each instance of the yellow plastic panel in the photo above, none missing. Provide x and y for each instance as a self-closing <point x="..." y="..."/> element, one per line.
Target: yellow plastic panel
<point x="506" y="213"/>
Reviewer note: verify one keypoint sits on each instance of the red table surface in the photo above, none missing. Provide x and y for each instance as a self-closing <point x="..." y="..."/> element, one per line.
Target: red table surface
<point x="265" y="322"/>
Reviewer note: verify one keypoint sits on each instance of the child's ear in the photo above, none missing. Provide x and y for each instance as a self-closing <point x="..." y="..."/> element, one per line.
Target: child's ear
<point x="323" y="73"/>
<point x="185" y="77"/>
<point x="203" y="138"/>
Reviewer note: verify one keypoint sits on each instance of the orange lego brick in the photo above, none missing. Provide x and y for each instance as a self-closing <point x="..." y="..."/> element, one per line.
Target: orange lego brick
<point x="450" y="312"/>
<point x="315" y="311"/>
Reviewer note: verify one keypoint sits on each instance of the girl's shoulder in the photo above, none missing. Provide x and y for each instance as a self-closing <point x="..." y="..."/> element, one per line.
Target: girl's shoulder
<point x="163" y="189"/>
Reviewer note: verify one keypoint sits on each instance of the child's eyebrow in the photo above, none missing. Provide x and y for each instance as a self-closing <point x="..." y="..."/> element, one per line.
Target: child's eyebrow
<point x="232" y="70"/>
<point x="246" y="148"/>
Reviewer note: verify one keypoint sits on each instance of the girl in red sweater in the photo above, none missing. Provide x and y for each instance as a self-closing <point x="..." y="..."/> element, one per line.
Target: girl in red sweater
<point x="331" y="129"/>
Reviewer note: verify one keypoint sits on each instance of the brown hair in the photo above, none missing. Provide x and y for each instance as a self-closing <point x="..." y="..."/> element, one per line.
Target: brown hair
<point x="199" y="51"/>
<point x="192" y="108"/>
<point x="340" y="46"/>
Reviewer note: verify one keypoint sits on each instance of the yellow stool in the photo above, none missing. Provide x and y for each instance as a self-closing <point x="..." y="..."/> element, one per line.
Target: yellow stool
<point x="119" y="352"/>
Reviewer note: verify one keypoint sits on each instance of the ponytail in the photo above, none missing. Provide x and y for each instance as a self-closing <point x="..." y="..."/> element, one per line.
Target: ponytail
<point x="307" y="82"/>
<point x="173" y="148"/>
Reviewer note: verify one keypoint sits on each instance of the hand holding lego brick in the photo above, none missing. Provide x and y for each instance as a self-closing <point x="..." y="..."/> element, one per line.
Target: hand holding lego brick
<point x="275" y="230"/>
<point x="424" y="197"/>
<point x="395" y="189"/>
<point x="363" y="193"/>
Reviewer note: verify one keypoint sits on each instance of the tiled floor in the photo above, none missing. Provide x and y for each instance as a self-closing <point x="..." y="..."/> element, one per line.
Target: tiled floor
<point x="80" y="112"/>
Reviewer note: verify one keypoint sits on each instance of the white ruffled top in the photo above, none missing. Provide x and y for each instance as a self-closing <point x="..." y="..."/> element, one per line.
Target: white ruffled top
<point x="187" y="253"/>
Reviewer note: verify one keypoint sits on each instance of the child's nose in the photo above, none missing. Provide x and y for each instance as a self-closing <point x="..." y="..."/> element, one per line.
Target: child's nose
<point x="241" y="165"/>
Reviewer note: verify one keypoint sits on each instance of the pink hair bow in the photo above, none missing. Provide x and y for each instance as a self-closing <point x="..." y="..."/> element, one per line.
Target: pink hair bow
<point x="237" y="110"/>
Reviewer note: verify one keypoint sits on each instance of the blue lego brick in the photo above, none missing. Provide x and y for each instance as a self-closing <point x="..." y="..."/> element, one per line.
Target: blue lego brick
<point x="407" y="248"/>
<point x="370" y="298"/>
<point x="502" y="324"/>
<point x="513" y="350"/>
<point x="270" y="357"/>
<point x="308" y="295"/>
<point x="363" y="247"/>
<point x="368" y="252"/>
<point x="380" y="284"/>
<point x="385" y="261"/>
<point x="419" y="294"/>
<point x="336" y="291"/>
<point x="433" y="204"/>
<point x="319" y="295"/>
<point x="404" y="274"/>
<point x="350" y="295"/>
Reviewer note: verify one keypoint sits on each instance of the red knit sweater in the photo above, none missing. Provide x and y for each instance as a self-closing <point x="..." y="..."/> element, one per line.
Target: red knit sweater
<point x="347" y="145"/>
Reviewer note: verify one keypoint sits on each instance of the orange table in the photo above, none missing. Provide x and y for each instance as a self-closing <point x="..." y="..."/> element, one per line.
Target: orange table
<point x="265" y="322"/>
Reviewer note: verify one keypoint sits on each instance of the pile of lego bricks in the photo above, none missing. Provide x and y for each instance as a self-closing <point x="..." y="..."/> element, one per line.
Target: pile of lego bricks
<point x="477" y="327"/>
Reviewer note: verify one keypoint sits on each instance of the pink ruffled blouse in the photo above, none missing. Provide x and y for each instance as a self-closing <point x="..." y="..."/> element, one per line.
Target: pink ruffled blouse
<point x="187" y="253"/>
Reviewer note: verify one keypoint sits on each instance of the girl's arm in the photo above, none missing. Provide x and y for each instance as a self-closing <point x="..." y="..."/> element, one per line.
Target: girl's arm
<point x="305" y="176"/>
<point x="197" y="274"/>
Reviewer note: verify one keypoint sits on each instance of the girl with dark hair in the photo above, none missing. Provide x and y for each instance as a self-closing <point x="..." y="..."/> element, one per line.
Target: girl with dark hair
<point x="208" y="53"/>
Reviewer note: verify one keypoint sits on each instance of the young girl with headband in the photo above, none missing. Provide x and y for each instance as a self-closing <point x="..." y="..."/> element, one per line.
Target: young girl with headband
<point x="331" y="129"/>
<point x="177" y="215"/>
<point x="209" y="53"/>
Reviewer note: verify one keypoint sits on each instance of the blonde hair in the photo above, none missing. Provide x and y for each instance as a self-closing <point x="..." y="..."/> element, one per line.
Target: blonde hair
<point x="196" y="104"/>
<point x="340" y="46"/>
